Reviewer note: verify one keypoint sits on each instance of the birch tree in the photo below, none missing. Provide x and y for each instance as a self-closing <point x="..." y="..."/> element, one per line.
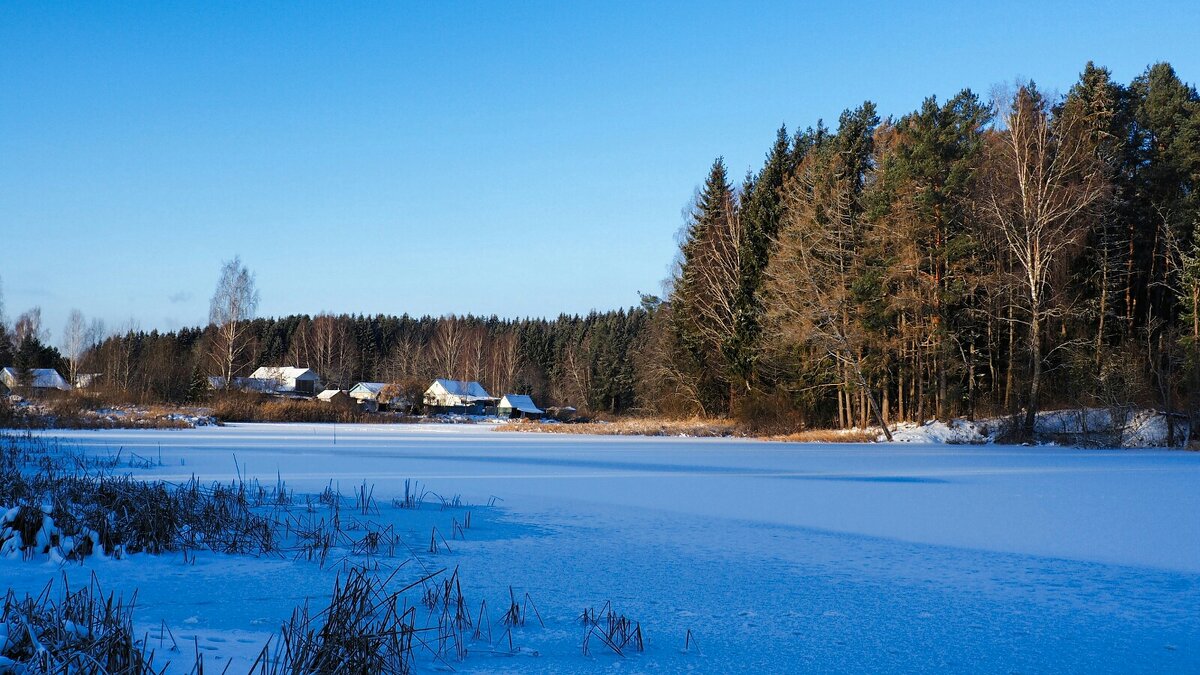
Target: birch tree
<point x="75" y="342"/>
<point x="232" y="307"/>
<point x="447" y="346"/>
<point x="1044" y="177"/>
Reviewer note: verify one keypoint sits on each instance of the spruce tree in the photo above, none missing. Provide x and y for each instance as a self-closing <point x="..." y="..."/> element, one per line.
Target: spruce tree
<point x="706" y="291"/>
<point x="762" y="213"/>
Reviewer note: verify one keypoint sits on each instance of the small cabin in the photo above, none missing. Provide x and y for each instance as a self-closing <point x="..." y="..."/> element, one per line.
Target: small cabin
<point x="337" y="397"/>
<point x="518" y="406"/>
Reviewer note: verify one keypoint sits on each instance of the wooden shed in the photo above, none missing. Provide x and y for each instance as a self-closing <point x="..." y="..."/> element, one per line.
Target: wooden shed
<point x="337" y="397"/>
<point x="518" y="406"/>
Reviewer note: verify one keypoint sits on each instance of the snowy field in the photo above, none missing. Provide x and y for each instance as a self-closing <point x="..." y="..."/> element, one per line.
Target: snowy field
<point x="777" y="557"/>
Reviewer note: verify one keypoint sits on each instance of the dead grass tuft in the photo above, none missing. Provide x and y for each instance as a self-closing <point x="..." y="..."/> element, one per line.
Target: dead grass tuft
<point x="84" y="631"/>
<point x="829" y="436"/>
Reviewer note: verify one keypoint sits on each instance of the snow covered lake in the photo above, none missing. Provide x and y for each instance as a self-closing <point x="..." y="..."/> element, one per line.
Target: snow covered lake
<point x="777" y="557"/>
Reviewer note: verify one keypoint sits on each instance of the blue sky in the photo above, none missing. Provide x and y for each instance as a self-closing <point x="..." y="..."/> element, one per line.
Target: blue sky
<point x="508" y="158"/>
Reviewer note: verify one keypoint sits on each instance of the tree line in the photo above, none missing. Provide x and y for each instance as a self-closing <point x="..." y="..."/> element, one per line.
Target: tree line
<point x="969" y="257"/>
<point x="585" y="361"/>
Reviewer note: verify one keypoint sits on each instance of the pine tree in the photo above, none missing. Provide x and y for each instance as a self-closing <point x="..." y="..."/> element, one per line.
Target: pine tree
<point x="1098" y="274"/>
<point x="924" y="228"/>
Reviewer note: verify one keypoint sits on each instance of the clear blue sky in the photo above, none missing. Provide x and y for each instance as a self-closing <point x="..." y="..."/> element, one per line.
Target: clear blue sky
<point x="509" y="158"/>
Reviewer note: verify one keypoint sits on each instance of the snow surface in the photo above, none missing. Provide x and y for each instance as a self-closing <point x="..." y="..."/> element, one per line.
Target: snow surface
<point x="778" y="557"/>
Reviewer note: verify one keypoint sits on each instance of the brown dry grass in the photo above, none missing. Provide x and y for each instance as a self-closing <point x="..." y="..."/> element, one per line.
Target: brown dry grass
<point x="72" y="410"/>
<point x="635" y="426"/>
<point x="829" y="436"/>
<point x="235" y="407"/>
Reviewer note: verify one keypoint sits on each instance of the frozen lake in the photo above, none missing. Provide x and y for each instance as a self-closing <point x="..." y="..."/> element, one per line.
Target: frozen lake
<point x="778" y="557"/>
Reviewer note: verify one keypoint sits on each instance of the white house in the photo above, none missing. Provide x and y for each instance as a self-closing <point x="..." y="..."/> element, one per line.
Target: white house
<point x="458" y="396"/>
<point x="518" y="405"/>
<point x="367" y="391"/>
<point x="284" y="380"/>
<point x="39" y="378"/>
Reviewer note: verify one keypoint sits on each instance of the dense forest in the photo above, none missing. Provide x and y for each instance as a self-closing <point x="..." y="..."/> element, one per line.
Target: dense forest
<point x="969" y="257"/>
<point x="972" y="257"/>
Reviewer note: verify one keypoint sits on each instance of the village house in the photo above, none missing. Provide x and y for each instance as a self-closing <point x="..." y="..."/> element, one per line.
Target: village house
<point x="457" y="396"/>
<point x="518" y="406"/>
<point x="339" y="398"/>
<point x="278" y="380"/>
<point x="38" y="378"/>
<point x="373" y="396"/>
<point x="366" y="395"/>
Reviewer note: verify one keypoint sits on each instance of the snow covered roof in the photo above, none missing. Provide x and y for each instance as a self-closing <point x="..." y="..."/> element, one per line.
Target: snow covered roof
<point x="328" y="394"/>
<point x="284" y="373"/>
<point x="520" y="402"/>
<point x="40" y="378"/>
<point x="368" y="387"/>
<point x="470" y="391"/>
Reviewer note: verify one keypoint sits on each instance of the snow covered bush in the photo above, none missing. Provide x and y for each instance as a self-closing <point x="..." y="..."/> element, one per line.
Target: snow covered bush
<point x="63" y="506"/>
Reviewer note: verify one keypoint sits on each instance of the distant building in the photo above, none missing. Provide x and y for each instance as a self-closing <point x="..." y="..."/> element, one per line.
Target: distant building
<point x="284" y="380"/>
<point x="564" y="413"/>
<point x="39" y="378"/>
<point x="469" y="398"/>
<point x="372" y="396"/>
<point x="518" y="406"/>
<point x="336" y="397"/>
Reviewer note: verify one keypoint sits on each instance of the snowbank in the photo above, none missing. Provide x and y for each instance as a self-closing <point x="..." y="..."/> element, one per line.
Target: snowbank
<point x="1100" y="427"/>
<point x="956" y="432"/>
